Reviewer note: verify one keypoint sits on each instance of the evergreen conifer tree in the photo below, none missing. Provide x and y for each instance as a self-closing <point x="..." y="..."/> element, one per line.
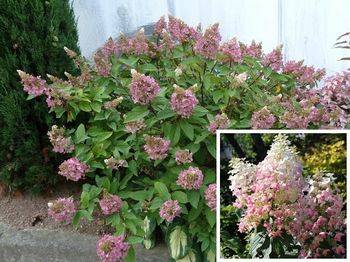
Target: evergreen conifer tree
<point x="32" y="36"/>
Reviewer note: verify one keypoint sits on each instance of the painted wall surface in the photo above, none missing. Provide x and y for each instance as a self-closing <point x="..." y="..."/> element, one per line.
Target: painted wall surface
<point x="306" y="28"/>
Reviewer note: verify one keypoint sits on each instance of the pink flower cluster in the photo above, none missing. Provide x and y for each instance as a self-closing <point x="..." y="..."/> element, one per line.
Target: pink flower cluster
<point x="62" y="209"/>
<point x="73" y="169"/>
<point x="112" y="248"/>
<point x="221" y="121"/>
<point x="183" y="156"/>
<point x="143" y="89"/>
<point x="210" y="196"/>
<point x="325" y="106"/>
<point x="191" y="178"/>
<point x="208" y="44"/>
<point x="274" y="60"/>
<point x="137" y="45"/>
<point x="113" y="103"/>
<point x="135" y="126"/>
<point x="180" y="31"/>
<point x="110" y="204"/>
<point x="102" y="57"/>
<point x="253" y="50"/>
<point x="263" y="119"/>
<point x="232" y="51"/>
<point x="319" y="218"/>
<point x="305" y="74"/>
<point x="34" y="86"/>
<point x="183" y="101"/>
<point x="156" y="147"/>
<point x="160" y="26"/>
<point x="169" y="210"/>
<point x="61" y="143"/>
<point x="272" y="193"/>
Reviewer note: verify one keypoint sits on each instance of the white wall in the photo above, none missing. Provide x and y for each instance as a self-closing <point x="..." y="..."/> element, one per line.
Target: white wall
<point x="307" y="28"/>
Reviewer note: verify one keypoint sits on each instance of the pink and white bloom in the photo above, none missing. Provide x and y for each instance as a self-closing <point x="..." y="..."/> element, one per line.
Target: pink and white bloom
<point x="73" y="169"/>
<point x="191" y="178"/>
<point x="169" y="210"/>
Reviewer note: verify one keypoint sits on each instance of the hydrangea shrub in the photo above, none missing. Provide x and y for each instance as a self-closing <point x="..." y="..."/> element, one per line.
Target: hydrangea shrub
<point x="284" y="213"/>
<point x="141" y="125"/>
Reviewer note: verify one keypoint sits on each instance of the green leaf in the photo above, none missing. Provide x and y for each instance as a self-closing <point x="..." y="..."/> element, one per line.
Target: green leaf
<point x="164" y="114"/>
<point x="162" y="190"/>
<point x="104" y="135"/>
<point x="131" y="257"/>
<point x="96" y="106"/>
<point x="80" y="134"/>
<point x="191" y="257"/>
<point x="180" y="196"/>
<point x="140" y="195"/>
<point x="148" y="226"/>
<point x="137" y="113"/>
<point x="178" y="243"/>
<point x="85" y="106"/>
<point x="211" y="216"/>
<point x="257" y="240"/>
<point x="134" y="239"/>
<point x="187" y="128"/>
<point x="156" y="203"/>
<point x="148" y="68"/>
<point x="193" y="198"/>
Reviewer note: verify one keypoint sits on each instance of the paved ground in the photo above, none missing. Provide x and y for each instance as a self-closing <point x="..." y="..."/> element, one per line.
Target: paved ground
<point x="43" y="245"/>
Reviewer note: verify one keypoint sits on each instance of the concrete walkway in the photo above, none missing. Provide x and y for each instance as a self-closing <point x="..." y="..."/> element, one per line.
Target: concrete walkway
<point x="39" y="245"/>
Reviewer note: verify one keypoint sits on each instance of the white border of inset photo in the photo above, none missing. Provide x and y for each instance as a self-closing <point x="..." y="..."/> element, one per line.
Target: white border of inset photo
<point x="237" y="131"/>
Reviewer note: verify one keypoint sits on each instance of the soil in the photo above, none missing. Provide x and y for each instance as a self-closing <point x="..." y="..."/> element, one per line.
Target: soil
<point x="22" y="211"/>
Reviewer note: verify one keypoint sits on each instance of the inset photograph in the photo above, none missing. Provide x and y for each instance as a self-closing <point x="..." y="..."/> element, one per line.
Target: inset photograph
<point x="282" y="195"/>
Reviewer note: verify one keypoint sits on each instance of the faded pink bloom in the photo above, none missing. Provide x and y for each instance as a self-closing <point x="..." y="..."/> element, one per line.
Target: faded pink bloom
<point x="210" y="196"/>
<point x="156" y="147"/>
<point x="183" y="156"/>
<point x="115" y="164"/>
<point x="274" y="59"/>
<point x="183" y="101"/>
<point x="180" y="31"/>
<point x="263" y="119"/>
<point x="112" y="248"/>
<point x="208" y="44"/>
<point x="160" y="26"/>
<point x="102" y="63"/>
<point x="110" y="204"/>
<point x="165" y="42"/>
<point x="304" y="74"/>
<point x="34" y="86"/>
<point x="62" y="209"/>
<point x="338" y="236"/>
<point x="56" y="97"/>
<point x="339" y="250"/>
<point x="110" y="48"/>
<point x="73" y="169"/>
<point x="169" y="210"/>
<point x="61" y="143"/>
<point x="143" y="88"/>
<point x="113" y="103"/>
<point x="191" y="178"/>
<point x="221" y="121"/>
<point x="135" y="126"/>
<point x="139" y="44"/>
<point x="254" y="50"/>
<point x="232" y="51"/>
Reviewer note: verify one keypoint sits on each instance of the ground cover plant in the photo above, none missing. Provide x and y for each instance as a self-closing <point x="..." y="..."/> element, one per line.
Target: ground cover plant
<point x="141" y="124"/>
<point x="279" y="210"/>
